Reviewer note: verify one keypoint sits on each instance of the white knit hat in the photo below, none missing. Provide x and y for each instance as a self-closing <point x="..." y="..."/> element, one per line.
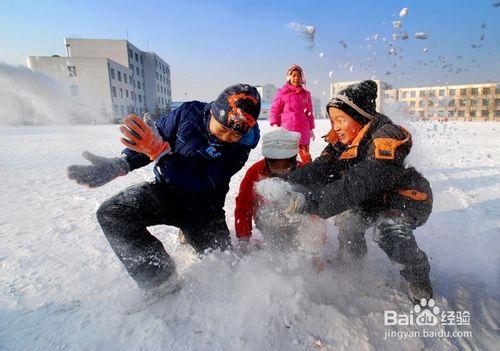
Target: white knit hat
<point x="280" y="144"/>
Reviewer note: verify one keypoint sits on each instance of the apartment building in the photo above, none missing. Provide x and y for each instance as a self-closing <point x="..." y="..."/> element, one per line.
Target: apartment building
<point x="113" y="76"/>
<point x="471" y="102"/>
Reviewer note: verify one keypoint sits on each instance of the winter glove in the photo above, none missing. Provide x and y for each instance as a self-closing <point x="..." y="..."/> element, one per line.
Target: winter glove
<point x="101" y="171"/>
<point x="295" y="202"/>
<point x="142" y="138"/>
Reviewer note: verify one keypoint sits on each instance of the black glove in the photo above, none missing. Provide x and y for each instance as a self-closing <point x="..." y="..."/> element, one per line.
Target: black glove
<point x="102" y="170"/>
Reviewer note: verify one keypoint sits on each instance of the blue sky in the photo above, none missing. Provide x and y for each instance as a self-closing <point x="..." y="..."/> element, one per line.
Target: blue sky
<point x="210" y="45"/>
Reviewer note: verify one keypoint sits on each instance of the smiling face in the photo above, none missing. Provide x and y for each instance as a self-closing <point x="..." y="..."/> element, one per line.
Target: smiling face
<point x="295" y="78"/>
<point x="345" y="127"/>
<point x="223" y="133"/>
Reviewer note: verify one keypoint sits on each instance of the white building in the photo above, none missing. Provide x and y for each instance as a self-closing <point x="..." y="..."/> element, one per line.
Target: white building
<point x="112" y="75"/>
<point x="267" y="92"/>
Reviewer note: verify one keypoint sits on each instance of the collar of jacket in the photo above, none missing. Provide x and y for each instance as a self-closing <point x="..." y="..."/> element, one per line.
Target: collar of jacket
<point x="352" y="149"/>
<point x="289" y="88"/>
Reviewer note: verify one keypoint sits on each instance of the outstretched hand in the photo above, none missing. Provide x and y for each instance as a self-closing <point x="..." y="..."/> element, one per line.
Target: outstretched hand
<point x="101" y="171"/>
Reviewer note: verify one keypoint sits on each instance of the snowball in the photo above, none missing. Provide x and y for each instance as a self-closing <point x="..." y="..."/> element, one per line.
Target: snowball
<point x="403" y="12"/>
<point x="420" y="35"/>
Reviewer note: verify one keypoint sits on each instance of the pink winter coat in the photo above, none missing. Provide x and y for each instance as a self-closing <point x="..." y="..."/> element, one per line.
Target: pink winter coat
<point x="292" y="110"/>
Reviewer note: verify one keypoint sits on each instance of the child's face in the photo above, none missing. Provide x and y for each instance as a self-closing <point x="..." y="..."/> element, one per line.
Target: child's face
<point x="223" y="133"/>
<point x="345" y="127"/>
<point x="295" y="78"/>
<point x="280" y="168"/>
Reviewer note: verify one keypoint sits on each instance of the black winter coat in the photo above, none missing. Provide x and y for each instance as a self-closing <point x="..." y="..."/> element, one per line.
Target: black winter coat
<point x="370" y="174"/>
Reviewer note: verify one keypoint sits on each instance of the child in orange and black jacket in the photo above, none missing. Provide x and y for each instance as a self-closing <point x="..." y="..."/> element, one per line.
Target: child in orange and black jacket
<point x="361" y="177"/>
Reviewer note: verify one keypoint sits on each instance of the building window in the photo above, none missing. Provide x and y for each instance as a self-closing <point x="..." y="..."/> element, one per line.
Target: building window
<point x="157" y="75"/>
<point x="452" y="92"/>
<point x="412" y="103"/>
<point x="126" y="93"/>
<point x="130" y="54"/>
<point x="451" y="113"/>
<point x="486" y="102"/>
<point x="74" y="90"/>
<point x="473" y="91"/>
<point x="463" y="92"/>
<point x="138" y="85"/>
<point x="484" y="113"/>
<point x="119" y="76"/>
<point x="121" y="93"/>
<point x="142" y="73"/>
<point x="431" y="104"/>
<point x="420" y="103"/>
<point x="441" y="92"/>
<point x="462" y="102"/>
<point x="432" y="93"/>
<point x="112" y="72"/>
<point x="137" y="70"/>
<point x="473" y="102"/>
<point x="140" y="97"/>
<point x="461" y="113"/>
<point x="113" y="89"/>
<point x="156" y="62"/>
<point x="473" y="113"/>
<point x="451" y="103"/>
<point x="497" y="102"/>
<point x="497" y="113"/>
<point x="158" y="88"/>
<point x="125" y="78"/>
<point x="486" y="91"/>
<point x="421" y="93"/>
<point x="72" y="71"/>
<point x="136" y="57"/>
<point x="412" y="93"/>
<point x="497" y="90"/>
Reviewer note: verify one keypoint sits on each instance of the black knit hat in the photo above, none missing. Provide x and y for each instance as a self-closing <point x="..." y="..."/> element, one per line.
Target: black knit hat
<point x="237" y="107"/>
<point x="357" y="100"/>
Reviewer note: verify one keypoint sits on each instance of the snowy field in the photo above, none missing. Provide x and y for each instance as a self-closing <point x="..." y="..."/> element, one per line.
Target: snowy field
<point x="62" y="288"/>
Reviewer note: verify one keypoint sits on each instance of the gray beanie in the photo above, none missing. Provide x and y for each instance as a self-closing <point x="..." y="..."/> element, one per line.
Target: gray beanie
<point x="280" y="144"/>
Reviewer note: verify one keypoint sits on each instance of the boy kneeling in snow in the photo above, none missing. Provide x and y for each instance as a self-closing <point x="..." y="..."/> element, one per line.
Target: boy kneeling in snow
<point x="196" y="150"/>
<point x="361" y="177"/>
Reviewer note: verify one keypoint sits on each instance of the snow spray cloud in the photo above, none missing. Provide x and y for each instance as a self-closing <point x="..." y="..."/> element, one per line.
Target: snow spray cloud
<point x="307" y="32"/>
<point x="28" y="97"/>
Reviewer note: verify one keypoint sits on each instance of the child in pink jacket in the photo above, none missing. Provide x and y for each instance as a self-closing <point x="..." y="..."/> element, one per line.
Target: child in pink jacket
<point x="292" y="110"/>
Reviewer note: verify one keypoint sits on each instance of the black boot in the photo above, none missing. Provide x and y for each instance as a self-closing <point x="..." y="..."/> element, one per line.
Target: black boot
<point x="420" y="290"/>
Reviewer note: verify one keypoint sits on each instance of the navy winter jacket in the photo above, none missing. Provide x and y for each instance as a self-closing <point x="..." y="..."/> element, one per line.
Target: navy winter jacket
<point x="200" y="167"/>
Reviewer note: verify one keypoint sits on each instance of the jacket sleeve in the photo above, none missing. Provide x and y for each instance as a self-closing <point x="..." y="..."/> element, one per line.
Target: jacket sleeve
<point x="245" y="201"/>
<point x="167" y="127"/>
<point x="310" y="117"/>
<point x="361" y="181"/>
<point x="277" y="109"/>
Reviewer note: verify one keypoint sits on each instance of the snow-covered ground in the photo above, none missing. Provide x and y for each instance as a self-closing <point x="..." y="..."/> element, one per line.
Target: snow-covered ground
<point x="62" y="287"/>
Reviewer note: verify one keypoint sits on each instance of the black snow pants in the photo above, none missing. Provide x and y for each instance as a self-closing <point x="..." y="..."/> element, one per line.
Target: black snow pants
<point x="124" y="219"/>
<point x="393" y="232"/>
